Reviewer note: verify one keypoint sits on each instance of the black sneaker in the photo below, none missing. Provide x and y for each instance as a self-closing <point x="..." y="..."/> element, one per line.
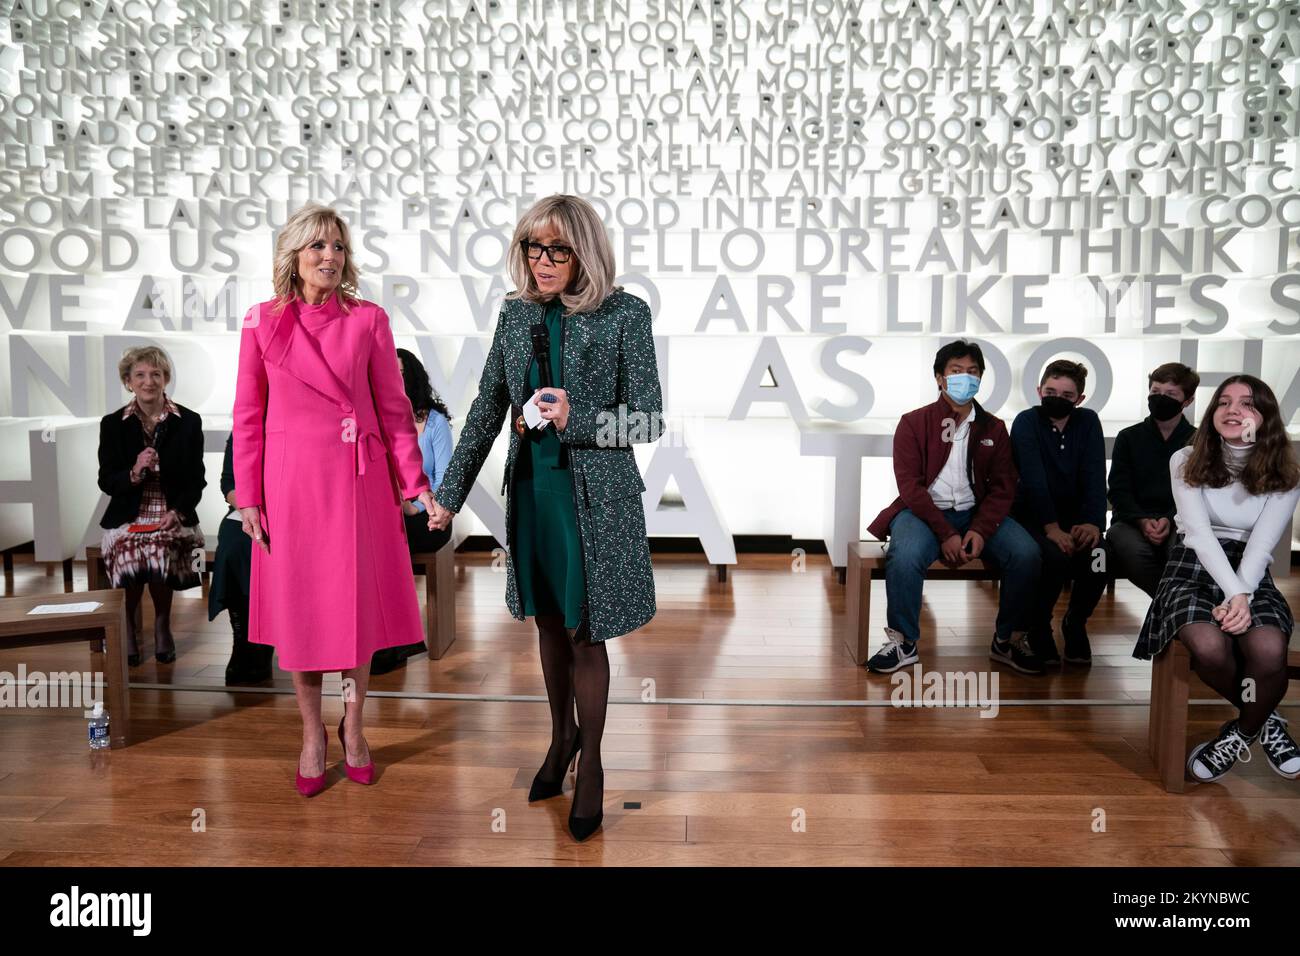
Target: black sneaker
<point x="1282" y="753"/>
<point x="1043" y="644"/>
<point x="1212" y="759"/>
<point x="896" y="653"/>
<point x="1016" y="653"/>
<point x="1077" y="648"/>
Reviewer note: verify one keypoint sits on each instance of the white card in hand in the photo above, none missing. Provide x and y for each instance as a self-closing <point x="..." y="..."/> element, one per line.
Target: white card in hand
<point x="533" y="415"/>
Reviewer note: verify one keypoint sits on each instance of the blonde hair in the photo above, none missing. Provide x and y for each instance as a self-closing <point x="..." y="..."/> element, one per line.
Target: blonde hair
<point x="580" y="227"/>
<point x="309" y="223"/>
<point x="148" y="355"/>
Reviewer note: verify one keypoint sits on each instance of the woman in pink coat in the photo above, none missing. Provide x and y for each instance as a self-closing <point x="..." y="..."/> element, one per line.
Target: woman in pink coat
<point x="325" y="449"/>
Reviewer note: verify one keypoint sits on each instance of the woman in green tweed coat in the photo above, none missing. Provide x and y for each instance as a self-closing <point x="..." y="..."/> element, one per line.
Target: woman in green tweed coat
<point x="575" y="526"/>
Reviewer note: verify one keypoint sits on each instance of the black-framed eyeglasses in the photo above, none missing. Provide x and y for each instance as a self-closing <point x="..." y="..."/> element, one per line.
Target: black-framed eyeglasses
<point x="558" y="255"/>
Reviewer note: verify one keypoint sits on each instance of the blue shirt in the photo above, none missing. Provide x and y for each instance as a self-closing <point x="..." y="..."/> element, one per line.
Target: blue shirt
<point x="435" y="449"/>
<point x="1062" y="473"/>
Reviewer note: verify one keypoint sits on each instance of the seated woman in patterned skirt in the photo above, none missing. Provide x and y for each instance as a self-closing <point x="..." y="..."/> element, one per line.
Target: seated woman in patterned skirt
<point x="151" y="466"/>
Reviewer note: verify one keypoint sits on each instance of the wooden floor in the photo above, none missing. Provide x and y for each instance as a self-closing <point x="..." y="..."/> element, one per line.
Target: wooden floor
<point x="763" y="744"/>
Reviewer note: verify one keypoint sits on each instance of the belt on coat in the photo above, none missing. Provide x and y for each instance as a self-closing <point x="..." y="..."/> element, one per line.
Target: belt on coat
<point x="360" y="452"/>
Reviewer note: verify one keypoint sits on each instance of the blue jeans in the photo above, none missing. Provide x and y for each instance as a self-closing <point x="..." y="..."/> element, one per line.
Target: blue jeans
<point x="913" y="548"/>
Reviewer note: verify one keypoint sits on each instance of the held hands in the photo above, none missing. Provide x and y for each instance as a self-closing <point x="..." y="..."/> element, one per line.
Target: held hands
<point x="252" y="518"/>
<point x="439" y="517"/>
<point x="1234" y="615"/>
<point x="972" y="543"/>
<point x="425" y="498"/>
<point x="556" y="411"/>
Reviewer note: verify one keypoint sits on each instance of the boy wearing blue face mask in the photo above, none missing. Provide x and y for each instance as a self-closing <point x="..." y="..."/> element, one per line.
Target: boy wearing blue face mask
<point x="956" y="482"/>
<point x="1061" y="455"/>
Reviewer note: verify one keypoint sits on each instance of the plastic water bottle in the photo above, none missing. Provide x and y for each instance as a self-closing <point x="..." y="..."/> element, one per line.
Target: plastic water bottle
<point x="98" y="727"/>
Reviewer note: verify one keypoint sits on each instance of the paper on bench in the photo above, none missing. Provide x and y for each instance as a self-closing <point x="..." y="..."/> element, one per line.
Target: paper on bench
<point x="81" y="607"/>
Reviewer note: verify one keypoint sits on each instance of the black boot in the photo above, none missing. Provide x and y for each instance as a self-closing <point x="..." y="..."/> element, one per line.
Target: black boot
<point x="249" y="663"/>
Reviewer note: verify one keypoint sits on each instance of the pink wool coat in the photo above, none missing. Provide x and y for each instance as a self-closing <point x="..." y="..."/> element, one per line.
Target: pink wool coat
<point x="325" y="446"/>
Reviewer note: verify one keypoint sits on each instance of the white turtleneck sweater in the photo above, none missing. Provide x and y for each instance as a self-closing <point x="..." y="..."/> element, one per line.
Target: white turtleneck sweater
<point x="1207" y="514"/>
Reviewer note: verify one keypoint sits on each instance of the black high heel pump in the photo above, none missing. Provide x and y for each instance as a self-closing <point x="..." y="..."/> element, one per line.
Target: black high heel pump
<point x="583" y="827"/>
<point x="543" y="789"/>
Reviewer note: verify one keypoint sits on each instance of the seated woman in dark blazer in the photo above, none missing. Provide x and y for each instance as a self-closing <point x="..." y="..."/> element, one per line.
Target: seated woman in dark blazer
<point x="151" y="466"/>
<point x="433" y="424"/>
<point x="249" y="663"/>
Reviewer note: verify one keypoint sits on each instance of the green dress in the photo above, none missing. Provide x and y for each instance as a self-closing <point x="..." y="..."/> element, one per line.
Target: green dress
<point x="548" y="553"/>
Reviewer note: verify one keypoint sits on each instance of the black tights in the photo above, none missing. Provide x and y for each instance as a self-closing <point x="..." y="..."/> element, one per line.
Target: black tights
<point x="161" y="592"/>
<point x="576" y="672"/>
<point x="1225" y="664"/>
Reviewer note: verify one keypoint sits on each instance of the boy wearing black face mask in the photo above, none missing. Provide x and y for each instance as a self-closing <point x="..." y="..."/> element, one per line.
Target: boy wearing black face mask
<point x="1141" y="500"/>
<point x="1061" y="455"/>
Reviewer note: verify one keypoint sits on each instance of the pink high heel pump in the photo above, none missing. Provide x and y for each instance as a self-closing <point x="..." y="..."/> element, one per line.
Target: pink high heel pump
<point x="310" y="786"/>
<point x="364" y="774"/>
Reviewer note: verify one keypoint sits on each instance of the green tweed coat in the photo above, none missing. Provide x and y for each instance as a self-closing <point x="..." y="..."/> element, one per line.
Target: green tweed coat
<point x="615" y="399"/>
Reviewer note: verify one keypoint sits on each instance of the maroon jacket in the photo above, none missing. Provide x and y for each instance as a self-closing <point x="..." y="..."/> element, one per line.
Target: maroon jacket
<point x="920" y="452"/>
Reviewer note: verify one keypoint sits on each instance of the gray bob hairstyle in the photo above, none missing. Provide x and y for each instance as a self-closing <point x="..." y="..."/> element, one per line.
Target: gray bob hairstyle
<point x="144" y="355"/>
<point x="579" y="225"/>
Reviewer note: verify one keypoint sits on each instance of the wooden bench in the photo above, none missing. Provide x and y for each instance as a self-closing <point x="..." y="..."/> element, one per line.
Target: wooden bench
<point x="1167" y="722"/>
<point x="105" y="631"/>
<point x="866" y="560"/>
<point x="439" y="570"/>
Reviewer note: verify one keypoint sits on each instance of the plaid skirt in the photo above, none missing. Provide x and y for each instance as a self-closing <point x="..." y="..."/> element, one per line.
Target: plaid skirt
<point x="1187" y="594"/>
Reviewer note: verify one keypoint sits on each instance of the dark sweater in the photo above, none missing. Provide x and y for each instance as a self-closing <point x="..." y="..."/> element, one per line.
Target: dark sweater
<point x="1062" y="474"/>
<point x="1139" y="470"/>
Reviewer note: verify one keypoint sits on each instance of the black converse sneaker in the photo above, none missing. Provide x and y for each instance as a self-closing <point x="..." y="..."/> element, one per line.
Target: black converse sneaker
<point x="1016" y="653"/>
<point x="897" y="652"/>
<point x="1282" y="753"/>
<point x="1077" y="648"/>
<point x="1212" y="759"/>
